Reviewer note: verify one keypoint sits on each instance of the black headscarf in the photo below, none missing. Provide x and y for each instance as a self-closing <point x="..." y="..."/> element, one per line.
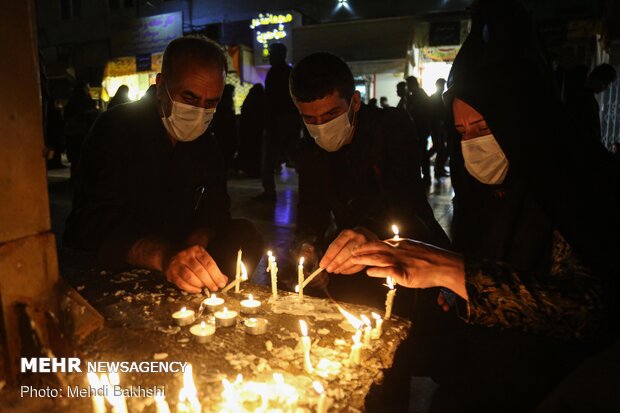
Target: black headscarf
<point x="552" y="183"/>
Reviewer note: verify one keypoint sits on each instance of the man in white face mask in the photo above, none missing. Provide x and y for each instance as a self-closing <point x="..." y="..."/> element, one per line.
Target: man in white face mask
<point x="153" y="192"/>
<point x="360" y="167"/>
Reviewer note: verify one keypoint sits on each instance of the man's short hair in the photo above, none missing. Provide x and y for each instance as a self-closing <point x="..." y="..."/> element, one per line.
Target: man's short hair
<point x="182" y="49"/>
<point x="319" y="75"/>
<point x="604" y="73"/>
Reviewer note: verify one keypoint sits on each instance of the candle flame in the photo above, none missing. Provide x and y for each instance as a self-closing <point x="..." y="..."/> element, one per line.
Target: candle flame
<point x="318" y="387"/>
<point x="203" y="325"/>
<point x="390" y="282"/>
<point x="376" y="316"/>
<point x="213" y="296"/>
<point x="250" y="297"/>
<point x="225" y="310"/>
<point x="366" y="320"/>
<point x="355" y="322"/>
<point x="184" y="309"/>
<point x="297" y="288"/>
<point x="162" y="406"/>
<point x="269" y="254"/>
<point x="278" y="378"/>
<point x="244" y="272"/>
<point x="396" y="232"/>
<point x="301" y="261"/>
<point x="304" y="328"/>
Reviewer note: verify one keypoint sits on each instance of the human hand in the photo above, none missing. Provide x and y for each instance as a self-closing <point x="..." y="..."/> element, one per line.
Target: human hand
<point x="413" y="264"/>
<point x="337" y="258"/>
<point x="193" y="269"/>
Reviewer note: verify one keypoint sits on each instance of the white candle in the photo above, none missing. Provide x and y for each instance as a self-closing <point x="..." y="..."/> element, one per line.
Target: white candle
<point x="272" y="267"/>
<point x="389" y="300"/>
<point x="396" y="233"/>
<point x="367" y="330"/>
<point x="255" y="326"/>
<point x="355" y="356"/>
<point x="305" y="345"/>
<point x="213" y="303"/>
<point x="322" y="403"/>
<point x="112" y="382"/>
<point x="378" y="330"/>
<point x="183" y="317"/>
<point x="98" y="401"/>
<point x="202" y="332"/>
<point x="225" y="318"/>
<point x="250" y="306"/>
<point x="300" y="277"/>
<point x="161" y="404"/>
<point x="238" y="271"/>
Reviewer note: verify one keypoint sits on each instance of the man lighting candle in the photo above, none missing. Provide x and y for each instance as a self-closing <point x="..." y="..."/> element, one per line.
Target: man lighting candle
<point x="152" y="187"/>
<point x="359" y="166"/>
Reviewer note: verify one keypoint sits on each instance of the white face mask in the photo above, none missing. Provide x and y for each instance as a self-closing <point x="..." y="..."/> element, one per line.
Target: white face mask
<point x="186" y="122"/>
<point x="485" y="160"/>
<point x="334" y="134"/>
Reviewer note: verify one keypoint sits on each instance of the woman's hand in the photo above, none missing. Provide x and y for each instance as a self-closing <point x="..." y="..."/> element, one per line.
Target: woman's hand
<point x="413" y="264"/>
<point x="337" y="258"/>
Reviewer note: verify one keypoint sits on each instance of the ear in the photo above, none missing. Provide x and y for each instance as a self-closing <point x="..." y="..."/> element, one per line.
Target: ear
<point x="356" y="101"/>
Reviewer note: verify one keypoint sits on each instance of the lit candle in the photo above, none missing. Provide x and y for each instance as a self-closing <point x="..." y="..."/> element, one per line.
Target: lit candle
<point x="235" y="284"/>
<point x="305" y="345"/>
<point x="255" y="326"/>
<point x="322" y="403"/>
<point x="250" y="306"/>
<point x="238" y="271"/>
<point x="225" y="318"/>
<point x="273" y="269"/>
<point x="396" y="233"/>
<point x="189" y="391"/>
<point x="97" y="400"/>
<point x="183" y="317"/>
<point x="202" y="332"/>
<point x="213" y="303"/>
<point x="300" y="277"/>
<point x="367" y="330"/>
<point x="161" y="404"/>
<point x="378" y="330"/>
<point x="355" y="355"/>
<point x="389" y="301"/>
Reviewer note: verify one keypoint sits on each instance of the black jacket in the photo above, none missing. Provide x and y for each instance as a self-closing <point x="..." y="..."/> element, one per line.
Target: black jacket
<point x="372" y="182"/>
<point x="134" y="184"/>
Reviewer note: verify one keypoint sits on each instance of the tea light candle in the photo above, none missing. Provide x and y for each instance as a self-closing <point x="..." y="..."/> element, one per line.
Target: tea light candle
<point x="355" y="356"/>
<point x="183" y="317"/>
<point x="300" y="277"/>
<point x="255" y="326"/>
<point x="225" y="318"/>
<point x="213" y="303"/>
<point x="389" y="300"/>
<point x="378" y="330"/>
<point x="305" y="345"/>
<point x="250" y="306"/>
<point x="367" y="330"/>
<point x="322" y="403"/>
<point x="202" y="332"/>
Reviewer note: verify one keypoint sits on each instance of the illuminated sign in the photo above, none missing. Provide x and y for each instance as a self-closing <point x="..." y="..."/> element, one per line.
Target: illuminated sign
<point x="272" y="28"/>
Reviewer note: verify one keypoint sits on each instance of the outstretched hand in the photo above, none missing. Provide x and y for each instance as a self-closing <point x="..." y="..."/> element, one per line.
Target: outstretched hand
<point x="413" y="264"/>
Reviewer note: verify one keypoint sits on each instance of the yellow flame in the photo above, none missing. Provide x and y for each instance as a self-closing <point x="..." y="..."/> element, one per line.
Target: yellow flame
<point x="250" y="297"/>
<point x="318" y="387"/>
<point x="297" y="288"/>
<point x="376" y="316"/>
<point x="304" y="328"/>
<point x="244" y="272"/>
<point x="357" y="338"/>
<point x="301" y="261"/>
<point x="203" y="325"/>
<point x="184" y="309"/>
<point x="355" y="322"/>
<point x="390" y="282"/>
<point x="366" y="320"/>
<point x="396" y="231"/>
<point x="269" y="254"/>
<point x="225" y="310"/>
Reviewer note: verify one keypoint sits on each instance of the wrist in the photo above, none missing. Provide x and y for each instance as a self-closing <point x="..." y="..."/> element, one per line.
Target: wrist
<point x="453" y="275"/>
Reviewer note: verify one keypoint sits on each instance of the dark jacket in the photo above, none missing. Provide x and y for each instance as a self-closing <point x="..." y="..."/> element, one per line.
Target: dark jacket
<point x="134" y="184"/>
<point x="372" y="182"/>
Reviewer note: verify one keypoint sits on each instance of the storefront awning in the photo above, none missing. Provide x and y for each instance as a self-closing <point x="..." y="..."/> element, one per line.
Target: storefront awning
<point x="381" y="45"/>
